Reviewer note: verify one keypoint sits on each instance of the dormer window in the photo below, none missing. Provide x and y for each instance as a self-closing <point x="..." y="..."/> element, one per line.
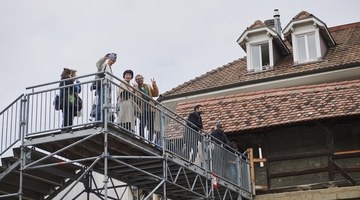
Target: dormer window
<point x="260" y="58"/>
<point x="264" y="47"/>
<point x="309" y="37"/>
<point x="306" y="47"/>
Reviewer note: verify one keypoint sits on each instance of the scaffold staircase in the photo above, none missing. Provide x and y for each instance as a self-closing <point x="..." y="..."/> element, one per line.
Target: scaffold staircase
<point x="39" y="160"/>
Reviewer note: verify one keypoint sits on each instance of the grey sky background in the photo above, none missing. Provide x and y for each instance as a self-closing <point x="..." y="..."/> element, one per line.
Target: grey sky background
<point x="172" y="41"/>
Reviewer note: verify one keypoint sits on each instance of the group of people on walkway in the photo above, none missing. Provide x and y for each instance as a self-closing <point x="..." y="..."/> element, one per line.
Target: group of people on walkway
<point x="134" y="103"/>
<point x="192" y="137"/>
<point x="129" y="108"/>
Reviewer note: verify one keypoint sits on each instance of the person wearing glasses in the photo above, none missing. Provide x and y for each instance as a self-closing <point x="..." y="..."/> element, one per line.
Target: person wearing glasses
<point x="104" y="64"/>
<point x="147" y="92"/>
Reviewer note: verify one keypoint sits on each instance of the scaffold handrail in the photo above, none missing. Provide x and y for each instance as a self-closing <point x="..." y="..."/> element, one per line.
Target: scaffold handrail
<point x="143" y="117"/>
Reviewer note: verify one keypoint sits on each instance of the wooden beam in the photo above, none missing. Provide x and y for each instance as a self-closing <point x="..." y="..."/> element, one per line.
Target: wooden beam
<point x="261" y="187"/>
<point x="252" y="170"/>
<point x="330" y="147"/>
<point x="343" y="173"/>
<point x="298" y="156"/>
<point x="347" y="152"/>
<point x="259" y="160"/>
<point x="299" y="173"/>
<point x="311" y="171"/>
<point x="352" y="169"/>
<point x="267" y="165"/>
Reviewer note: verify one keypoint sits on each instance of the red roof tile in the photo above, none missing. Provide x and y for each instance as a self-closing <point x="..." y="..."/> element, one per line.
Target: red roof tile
<point x="346" y="52"/>
<point x="277" y="107"/>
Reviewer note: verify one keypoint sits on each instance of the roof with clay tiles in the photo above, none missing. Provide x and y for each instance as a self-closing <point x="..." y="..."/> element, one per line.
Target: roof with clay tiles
<point x="277" y="107"/>
<point x="346" y="52"/>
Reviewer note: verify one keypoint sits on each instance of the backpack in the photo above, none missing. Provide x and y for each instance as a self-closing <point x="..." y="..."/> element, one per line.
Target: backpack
<point x="58" y="103"/>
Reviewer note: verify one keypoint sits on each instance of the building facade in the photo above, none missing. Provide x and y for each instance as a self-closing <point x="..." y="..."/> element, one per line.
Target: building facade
<point x="293" y="102"/>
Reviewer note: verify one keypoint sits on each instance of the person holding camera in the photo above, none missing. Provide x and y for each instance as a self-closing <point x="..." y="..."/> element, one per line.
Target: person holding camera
<point x="104" y="64"/>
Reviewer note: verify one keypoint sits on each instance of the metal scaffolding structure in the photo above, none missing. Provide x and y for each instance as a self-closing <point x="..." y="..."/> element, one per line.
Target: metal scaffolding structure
<point x="46" y="162"/>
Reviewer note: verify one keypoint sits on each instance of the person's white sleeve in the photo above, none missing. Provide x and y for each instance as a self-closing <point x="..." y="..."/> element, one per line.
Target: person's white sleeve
<point x="100" y="63"/>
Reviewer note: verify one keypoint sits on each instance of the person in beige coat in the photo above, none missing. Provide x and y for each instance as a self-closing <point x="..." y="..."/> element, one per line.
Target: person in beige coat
<point x="125" y="101"/>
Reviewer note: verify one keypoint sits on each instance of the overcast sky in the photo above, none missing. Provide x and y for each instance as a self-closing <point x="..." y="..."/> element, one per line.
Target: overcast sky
<point x="172" y="41"/>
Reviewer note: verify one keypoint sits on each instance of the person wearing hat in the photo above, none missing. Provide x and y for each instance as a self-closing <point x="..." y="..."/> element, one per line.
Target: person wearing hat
<point x="219" y="135"/>
<point x="104" y="64"/>
<point x="125" y="102"/>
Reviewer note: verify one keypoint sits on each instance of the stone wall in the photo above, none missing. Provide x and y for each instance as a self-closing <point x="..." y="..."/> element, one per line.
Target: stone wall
<point x="345" y="193"/>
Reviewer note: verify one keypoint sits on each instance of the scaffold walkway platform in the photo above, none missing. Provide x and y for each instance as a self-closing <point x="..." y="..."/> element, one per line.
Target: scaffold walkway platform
<point x="40" y="161"/>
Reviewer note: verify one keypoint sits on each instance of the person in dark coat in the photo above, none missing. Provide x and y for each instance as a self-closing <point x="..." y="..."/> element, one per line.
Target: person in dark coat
<point x="191" y="135"/>
<point x="68" y="96"/>
<point x="219" y="134"/>
<point x="195" y="118"/>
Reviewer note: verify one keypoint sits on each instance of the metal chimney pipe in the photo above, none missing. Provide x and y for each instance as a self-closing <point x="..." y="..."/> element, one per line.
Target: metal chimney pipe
<point x="277" y="23"/>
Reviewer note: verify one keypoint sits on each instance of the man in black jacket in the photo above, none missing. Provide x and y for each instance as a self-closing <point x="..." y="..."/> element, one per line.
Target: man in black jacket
<point x="219" y="134"/>
<point x="191" y="135"/>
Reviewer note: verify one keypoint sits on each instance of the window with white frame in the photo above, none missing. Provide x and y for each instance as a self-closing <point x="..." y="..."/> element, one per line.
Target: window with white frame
<point x="259" y="56"/>
<point x="306" y="47"/>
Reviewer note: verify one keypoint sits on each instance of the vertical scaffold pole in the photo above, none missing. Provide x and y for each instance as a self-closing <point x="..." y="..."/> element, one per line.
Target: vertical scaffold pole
<point x="162" y="133"/>
<point x="22" y="132"/>
<point x="106" y="107"/>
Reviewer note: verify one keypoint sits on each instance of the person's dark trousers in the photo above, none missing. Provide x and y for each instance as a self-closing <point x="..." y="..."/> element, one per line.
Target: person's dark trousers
<point x="68" y="116"/>
<point x="147" y="119"/>
<point x="100" y="100"/>
<point x="191" y="139"/>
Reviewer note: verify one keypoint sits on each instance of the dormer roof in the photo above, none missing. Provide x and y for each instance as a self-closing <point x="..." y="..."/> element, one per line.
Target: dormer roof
<point x="260" y="27"/>
<point x="305" y="17"/>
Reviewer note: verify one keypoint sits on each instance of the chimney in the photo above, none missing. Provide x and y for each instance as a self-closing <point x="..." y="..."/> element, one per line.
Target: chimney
<point x="277" y="23"/>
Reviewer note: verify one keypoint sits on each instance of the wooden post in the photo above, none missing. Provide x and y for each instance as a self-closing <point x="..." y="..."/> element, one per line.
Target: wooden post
<point x="330" y="148"/>
<point x="252" y="170"/>
<point x="267" y="165"/>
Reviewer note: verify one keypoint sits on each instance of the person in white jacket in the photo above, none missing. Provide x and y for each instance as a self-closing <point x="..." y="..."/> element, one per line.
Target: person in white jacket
<point x="104" y="64"/>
